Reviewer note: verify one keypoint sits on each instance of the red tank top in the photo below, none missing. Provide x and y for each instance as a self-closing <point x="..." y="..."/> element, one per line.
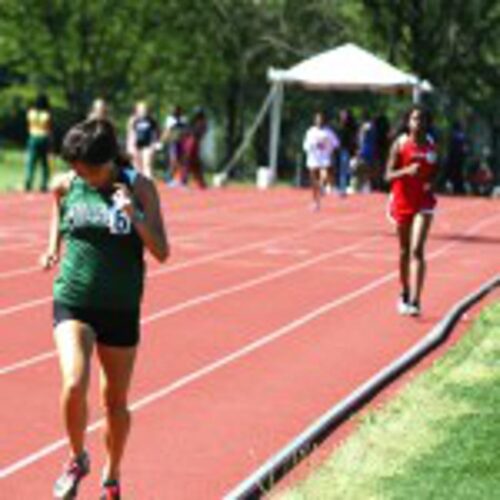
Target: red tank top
<point x="408" y="191"/>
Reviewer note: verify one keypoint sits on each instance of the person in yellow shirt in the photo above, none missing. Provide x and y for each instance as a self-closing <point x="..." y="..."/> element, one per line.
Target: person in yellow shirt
<point x="39" y="131"/>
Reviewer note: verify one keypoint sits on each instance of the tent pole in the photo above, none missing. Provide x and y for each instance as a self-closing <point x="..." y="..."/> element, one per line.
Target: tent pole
<point x="275" y="128"/>
<point x="226" y="171"/>
<point x="417" y="93"/>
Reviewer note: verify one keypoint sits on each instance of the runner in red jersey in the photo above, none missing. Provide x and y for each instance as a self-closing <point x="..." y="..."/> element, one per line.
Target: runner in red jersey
<point x="411" y="169"/>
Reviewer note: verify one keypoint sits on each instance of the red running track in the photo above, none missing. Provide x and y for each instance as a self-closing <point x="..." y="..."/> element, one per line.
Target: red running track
<point x="265" y="316"/>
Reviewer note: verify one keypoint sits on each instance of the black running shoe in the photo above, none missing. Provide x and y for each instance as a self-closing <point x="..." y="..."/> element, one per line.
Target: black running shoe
<point x="110" y="490"/>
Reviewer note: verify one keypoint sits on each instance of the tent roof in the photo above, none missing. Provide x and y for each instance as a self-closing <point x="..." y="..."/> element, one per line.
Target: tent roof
<point x="347" y="67"/>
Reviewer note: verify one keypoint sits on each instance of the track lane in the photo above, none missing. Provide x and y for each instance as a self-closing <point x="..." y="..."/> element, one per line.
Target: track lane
<point x="212" y="328"/>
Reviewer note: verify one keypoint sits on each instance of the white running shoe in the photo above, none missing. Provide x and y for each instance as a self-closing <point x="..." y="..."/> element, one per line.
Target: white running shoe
<point x="414" y="310"/>
<point x="403" y="307"/>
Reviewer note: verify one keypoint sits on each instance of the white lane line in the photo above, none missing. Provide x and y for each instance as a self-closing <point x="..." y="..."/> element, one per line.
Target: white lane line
<point x="257" y="281"/>
<point x="27" y="362"/>
<point x="6" y="311"/>
<point x="375" y="256"/>
<point x="42" y="225"/>
<point x="20" y="246"/>
<point x="19" y="272"/>
<point x="203" y="235"/>
<point x="8" y="369"/>
<point x="198" y="374"/>
<point x="286" y="251"/>
<point x="167" y="269"/>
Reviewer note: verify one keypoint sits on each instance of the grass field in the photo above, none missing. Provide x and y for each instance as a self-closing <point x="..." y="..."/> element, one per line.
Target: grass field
<point x="12" y="169"/>
<point x="437" y="440"/>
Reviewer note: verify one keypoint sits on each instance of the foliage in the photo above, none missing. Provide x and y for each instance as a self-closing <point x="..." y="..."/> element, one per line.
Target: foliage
<point x="452" y="43"/>
<point x="217" y="52"/>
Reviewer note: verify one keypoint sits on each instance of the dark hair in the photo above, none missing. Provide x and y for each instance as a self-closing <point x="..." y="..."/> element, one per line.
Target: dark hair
<point x="93" y="142"/>
<point x="42" y="102"/>
<point x="426" y="115"/>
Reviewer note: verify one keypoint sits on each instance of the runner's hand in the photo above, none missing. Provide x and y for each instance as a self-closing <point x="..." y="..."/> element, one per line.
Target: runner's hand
<point x="48" y="260"/>
<point x="413" y="168"/>
<point x="122" y="198"/>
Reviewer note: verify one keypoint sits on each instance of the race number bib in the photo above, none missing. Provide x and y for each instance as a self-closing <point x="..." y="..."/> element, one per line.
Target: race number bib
<point x="119" y="221"/>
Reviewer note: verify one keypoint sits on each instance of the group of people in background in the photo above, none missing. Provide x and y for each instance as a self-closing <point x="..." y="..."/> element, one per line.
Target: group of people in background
<point x="180" y="137"/>
<point x="178" y="142"/>
<point x="410" y="165"/>
<point x="350" y="157"/>
<point x="347" y="158"/>
<point x="183" y="138"/>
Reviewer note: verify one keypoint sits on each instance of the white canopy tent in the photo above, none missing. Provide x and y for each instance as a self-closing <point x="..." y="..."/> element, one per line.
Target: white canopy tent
<point x="345" y="68"/>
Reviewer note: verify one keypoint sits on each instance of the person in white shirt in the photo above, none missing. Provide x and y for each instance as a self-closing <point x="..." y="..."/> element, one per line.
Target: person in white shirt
<point x="319" y="145"/>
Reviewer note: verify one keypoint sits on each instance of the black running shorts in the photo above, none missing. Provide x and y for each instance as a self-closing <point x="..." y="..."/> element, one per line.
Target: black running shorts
<point x="112" y="327"/>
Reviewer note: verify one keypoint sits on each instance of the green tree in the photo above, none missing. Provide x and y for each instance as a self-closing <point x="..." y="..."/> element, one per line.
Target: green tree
<point x="82" y="48"/>
<point x="450" y="42"/>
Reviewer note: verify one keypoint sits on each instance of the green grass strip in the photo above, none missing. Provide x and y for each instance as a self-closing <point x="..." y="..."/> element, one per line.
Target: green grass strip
<point x="438" y="439"/>
<point x="12" y="169"/>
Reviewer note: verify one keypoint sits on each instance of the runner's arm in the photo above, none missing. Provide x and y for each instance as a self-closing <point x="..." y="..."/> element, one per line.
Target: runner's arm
<point x="149" y="223"/>
<point x="59" y="188"/>
<point x="391" y="172"/>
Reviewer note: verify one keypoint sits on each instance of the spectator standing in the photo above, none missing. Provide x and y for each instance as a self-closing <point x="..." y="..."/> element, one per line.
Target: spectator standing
<point x="39" y="120"/>
<point x="142" y="139"/>
<point x="382" y="144"/>
<point x="175" y="128"/>
<point x="455" y="158"/>
<point x="348" y="131"/>
<point x="191" y="148"/>
<point x="362" y="165"/>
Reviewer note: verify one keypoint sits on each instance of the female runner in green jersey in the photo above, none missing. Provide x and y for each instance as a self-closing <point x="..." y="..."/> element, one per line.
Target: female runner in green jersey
<point x="105" y="213"/>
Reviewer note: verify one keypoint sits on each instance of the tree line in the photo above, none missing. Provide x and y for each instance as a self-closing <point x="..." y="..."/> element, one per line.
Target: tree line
<point x="217" y="51"/>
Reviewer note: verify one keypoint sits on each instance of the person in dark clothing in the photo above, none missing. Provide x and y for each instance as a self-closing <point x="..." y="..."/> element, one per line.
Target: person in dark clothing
<point x="382" y="145"/>
<point x="456" y="156"/>
<point x="347" y="132"/>
<point x="191" y="145"/>
<point x="173" y="134"/>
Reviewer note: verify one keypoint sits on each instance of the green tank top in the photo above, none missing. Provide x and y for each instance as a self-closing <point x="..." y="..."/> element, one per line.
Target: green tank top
<point x="103" y="265"/>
